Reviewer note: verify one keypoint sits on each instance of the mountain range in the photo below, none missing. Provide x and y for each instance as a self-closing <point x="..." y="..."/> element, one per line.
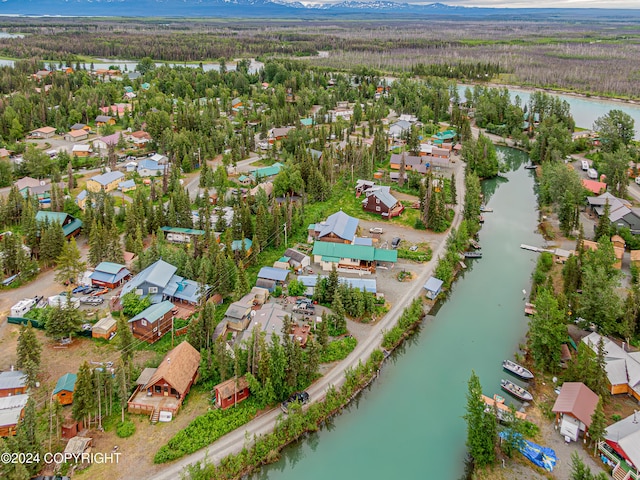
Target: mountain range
<point x="282" y="8"/>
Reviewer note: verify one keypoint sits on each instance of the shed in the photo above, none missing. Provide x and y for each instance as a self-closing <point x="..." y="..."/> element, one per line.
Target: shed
<point x="64" y="388"/>
<point x="77" y="446"/>
<point x="433" y="287"/>
<point x="574" y="406"/>
<point x="105" y="328"/>
<point x="11" y="411"/>
<point x="231" y="392"/>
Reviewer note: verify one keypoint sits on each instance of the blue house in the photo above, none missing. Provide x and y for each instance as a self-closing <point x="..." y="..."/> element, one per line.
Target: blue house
<point x="160" y="282"/>
<point x="339" y="228"/>
<point x="433" y="287"/>
<point x="150" y="168"/>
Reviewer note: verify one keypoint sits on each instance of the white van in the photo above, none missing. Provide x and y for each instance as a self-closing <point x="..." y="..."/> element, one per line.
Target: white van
<point x="585" y="165"/>
<point x="592" y="174"/>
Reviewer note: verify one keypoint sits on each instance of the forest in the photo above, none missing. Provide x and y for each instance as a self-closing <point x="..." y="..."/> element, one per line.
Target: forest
<point x="552" y="54"/>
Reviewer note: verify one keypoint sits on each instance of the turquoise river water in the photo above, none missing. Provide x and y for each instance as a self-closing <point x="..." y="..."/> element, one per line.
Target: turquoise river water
<point x="408" y="424"/>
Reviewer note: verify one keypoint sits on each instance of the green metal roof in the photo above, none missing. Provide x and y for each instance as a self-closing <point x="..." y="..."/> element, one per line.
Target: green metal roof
<point x="109" y="267"/>
<point x="307" y="122"/>
<point x="60" y="217"/>
<point x="332" y="252"/>
<point x="153" y="313"/>
<point x="66" y="383"/>
<point x="268" y="171"/>
<point x="186" y="231"/>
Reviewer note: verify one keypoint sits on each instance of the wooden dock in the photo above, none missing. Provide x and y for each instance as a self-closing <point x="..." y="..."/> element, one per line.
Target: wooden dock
<point x="474" y="244"/>
<point x="535" y="249"/>
<point x="502" y="409"/>
<point x="462" y="264"/>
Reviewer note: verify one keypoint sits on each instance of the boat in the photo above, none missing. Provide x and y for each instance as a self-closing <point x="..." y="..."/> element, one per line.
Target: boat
<point x="472" y="254"/>
<point x="474" y="244"/>
<point x="516" y="390"/>
<point x="517" y="370"/>
<point x="481" y="219"/>
<point x="485" y="209"/>
<point x="530" y="166"/>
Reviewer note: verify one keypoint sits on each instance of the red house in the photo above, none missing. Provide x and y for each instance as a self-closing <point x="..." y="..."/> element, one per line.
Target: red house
<point x="231" y="392"/>
<point x="379" y="200"/>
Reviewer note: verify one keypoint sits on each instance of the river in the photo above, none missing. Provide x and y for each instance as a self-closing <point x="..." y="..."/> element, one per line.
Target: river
<point x="584" y="110"/>
<point x="408" y="423"/>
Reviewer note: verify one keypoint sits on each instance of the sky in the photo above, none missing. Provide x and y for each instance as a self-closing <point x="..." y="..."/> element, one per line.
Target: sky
<point x="542" y="3"/>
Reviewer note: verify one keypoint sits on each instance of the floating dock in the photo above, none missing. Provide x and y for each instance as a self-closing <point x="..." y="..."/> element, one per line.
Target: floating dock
<point x="502" y="409"/>
<point x="536" y="249"/>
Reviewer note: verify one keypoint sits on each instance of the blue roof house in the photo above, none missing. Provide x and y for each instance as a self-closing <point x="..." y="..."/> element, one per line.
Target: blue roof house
<point x="278" y="275"/>
<point x="109" y="274"/>
<point x="433" y="287"/>
<point x="339" y="227"/>
<point x="150" y="168"/>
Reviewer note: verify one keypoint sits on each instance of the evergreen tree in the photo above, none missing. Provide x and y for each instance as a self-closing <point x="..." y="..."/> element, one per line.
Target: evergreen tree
<point x="453" y="191"/>
<point x="126" y="343"/>
<point x="547" y="332"/>
<point x="603" y="228"/>
<point x="27" y="438"/>
<point x="481" y="426"/>
<point x="598" y="427"/>
<point x="51" y="242"/>
<point x="84" y="400"/>
<point x="242" y="284"/>
<point x="70" y="265"/>
<point x="63" y="321"/>
<point x="29" y="353"/>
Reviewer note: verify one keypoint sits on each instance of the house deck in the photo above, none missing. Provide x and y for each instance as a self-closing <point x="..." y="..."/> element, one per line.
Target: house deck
<point x="142" y="403"/>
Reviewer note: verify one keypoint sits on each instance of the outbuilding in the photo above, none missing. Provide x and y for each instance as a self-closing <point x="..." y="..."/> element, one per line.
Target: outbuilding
<point x="433" y="287"/>
<point x="573" y="408"/>
<point x="231" y="392"/>
<point x="64" y="388"/>
<point x="105" y="328"/>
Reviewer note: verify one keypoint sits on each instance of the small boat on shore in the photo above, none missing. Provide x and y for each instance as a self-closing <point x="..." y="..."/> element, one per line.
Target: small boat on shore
<point x="472" y="254"/>
<point x="517" y="370"/>
<point x="516" y="390"/>
<point x="530" y="166"/>
<point x="474" y="244"/>
<point x="485" y="209"/>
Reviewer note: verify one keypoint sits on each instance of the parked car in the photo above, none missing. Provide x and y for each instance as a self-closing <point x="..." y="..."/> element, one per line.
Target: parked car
<point x="100" y="291"/>
<point x="300" y="397"/>
<point x="302" y="300"/>
<point x="79" y="289"/>
<point x="378" y="230"/>
<point x="395" y="243"/>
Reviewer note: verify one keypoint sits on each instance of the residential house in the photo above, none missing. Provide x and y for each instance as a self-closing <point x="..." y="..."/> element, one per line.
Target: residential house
<point x="266" y="172"/>
<point x="362" y="186"/>
<point x="127" y="186"/>
<point x="594" y="187"/>
<point x="103" y="143"/>
<point x="153" y="322"/>
<point x="266" y="187"/>
<point x="231" y="392"/>
<point x="379" y="200"/>
<point x="11" y="412"/>
<point x="105" y="328"/>
<point x="139" y="138"/>
<point x="163" y="389"/>
<point x="81" y="199"/>
<point x="110" y="275"/>
<point x="622" y="367"/>
<point x="269" y="319"/>
<point x="71" y="226"/>
<point x="240" y="245"/>
<point x="574" y="407"/>
<point x="102" y="120"/>
<point x="65" y="387"/>
<point x="623" y="437"/>
<point x="338" y="227"/>
<point x="160" y="282"/>
<point x="238" y="314"/>
<point x="106" y="182"/>
<point x="182" y="235"/>
<point x="161" y="159"/>
<point x="411" y="162"/>
<point x="4" y="154"/>
<point x="276" y="134"/>
<point x="150" y="168"/>
<point x="80" y="126"/>
<point x="351" y="258"/>
<point x="297" y="259"/>
<point x="277" y="275"/>
<point x="118" y="109"/>
<point x="43" y="132"/>
<point x="81" y="151"/>
<point x="442" y="137"/>
<point x="26" y="183"/>
<point x="306" y="122"/>
<point x="12" y="382"/>
<point x="76" y="135"/>
<point x="399" y="128"/>
<point x="433" y="287"/>
<point x="245" y="180"/>
<point x="40" y="74"/>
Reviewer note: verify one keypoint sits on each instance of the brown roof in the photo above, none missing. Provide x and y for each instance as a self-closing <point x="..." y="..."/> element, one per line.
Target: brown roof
<point x="4" y="152"/>
<point x="227" y="388"/>
<point x="141" y="134"/>
<point x="25" y="182"/>
<point x="577" y="400"/>
<point x="77" y="133"/>
<point x="178" y="368"/>
<point x="635" y="255"/>
<point x="45" y="130"/>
